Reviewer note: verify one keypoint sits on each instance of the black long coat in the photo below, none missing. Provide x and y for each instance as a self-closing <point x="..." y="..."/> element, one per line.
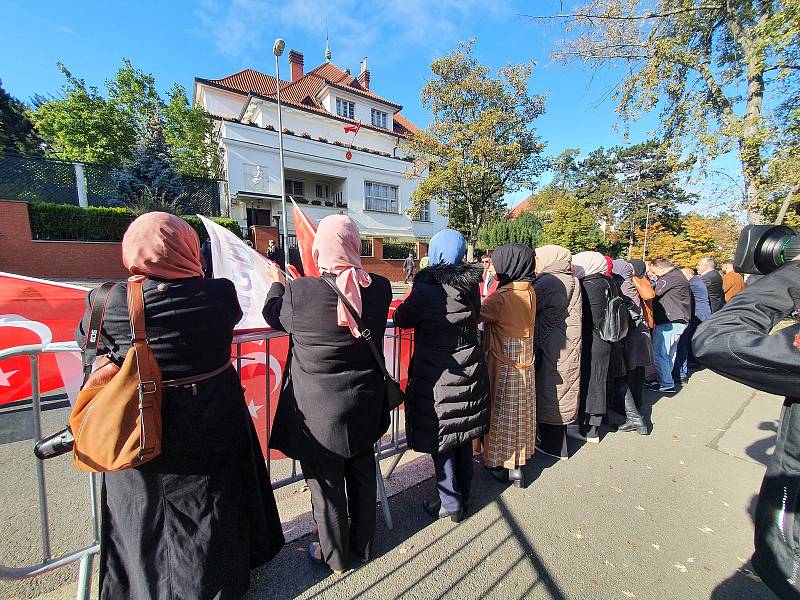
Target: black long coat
<point x="595" y="353"/>
<point x="716" y="295"/>
<point x="208" y="493"/>
<point x="332" y="402"/>
<point x="447" y="400"/>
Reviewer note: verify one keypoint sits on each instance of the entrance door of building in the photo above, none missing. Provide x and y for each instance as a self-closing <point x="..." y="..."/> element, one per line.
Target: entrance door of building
<point x="259" y="216"/>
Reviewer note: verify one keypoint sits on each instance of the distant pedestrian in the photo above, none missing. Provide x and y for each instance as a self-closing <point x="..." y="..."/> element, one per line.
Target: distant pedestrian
<point x="707" y="270"/>
<point x="701" y="310"/>
<point x="732" y="282"/>
<point x="559" y="311"/>
<point x="672" y="310"/>
<point x="447" y="404"/>
<point x="509" y="316"/>
<point x="276" y="255"/>
<point x="408" y="267"/>
<point x="488" y="279"/>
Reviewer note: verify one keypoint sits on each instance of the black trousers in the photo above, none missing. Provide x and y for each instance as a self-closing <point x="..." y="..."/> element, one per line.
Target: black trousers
<point x="454" y="476"/>
<point x="343" y="496"/>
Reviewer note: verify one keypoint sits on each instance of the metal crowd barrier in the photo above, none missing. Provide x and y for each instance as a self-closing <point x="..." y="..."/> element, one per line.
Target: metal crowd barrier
<point x="392" y="445"/>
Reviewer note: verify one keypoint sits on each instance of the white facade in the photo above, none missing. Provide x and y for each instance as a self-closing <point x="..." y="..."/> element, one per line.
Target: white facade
<point x="319" y="170"/>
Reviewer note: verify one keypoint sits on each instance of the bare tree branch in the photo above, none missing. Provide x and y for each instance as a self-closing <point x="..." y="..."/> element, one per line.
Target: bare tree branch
<point x="642" y="17"/>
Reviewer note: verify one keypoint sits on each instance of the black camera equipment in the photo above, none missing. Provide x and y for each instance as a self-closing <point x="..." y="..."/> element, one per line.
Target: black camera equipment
<point x="764" y="248"/>
<point x="54" y="445"/>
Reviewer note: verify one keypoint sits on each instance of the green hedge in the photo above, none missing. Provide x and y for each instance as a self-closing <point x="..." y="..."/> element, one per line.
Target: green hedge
<point x="61" y="222"/>
<point x="393" y="248"/>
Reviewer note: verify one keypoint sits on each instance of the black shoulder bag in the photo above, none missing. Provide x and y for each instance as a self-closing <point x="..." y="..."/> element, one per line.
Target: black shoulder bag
<point x="394" y="395"/>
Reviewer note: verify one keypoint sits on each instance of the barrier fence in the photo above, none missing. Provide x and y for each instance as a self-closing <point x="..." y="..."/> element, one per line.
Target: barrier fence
<point x="258" y="355"/>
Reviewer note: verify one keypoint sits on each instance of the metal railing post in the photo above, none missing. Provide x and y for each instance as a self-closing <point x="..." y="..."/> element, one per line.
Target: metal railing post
<point x="44" y="520"/>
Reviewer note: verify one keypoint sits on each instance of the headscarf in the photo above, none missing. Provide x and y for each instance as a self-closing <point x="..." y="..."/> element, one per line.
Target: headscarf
<point x="448" y="247"/>
<point x="609" y="266"/>
<point x="588" y="263"/>
<point x="513" y="262"/>
<point x="551" y="254"/>
<point x="639" y="268"/>
<point x="161" y="245"/>
<point x="337" y="250"/>
<point x="623" y="268"/>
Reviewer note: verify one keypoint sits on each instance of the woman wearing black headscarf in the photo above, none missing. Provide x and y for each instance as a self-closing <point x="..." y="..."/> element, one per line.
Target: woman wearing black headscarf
<point x="509" y="315"/>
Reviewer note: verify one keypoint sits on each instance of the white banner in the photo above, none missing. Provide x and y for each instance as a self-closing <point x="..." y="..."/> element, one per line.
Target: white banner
<point x="247" y="269"/>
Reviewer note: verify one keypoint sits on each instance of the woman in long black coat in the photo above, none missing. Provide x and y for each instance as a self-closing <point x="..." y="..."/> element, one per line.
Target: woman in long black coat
<point x="596" y="353"/>
<point x="192" y="522"/>
<point x="332" y="408"/>
<point x="447" y="400"/>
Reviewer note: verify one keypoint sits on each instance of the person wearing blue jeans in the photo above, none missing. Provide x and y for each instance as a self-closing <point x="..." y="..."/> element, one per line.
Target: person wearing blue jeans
<point x="701" y="310"/>
<point x="672" y="311"/>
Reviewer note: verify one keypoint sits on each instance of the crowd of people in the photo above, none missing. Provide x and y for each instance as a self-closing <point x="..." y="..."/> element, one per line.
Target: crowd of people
<point x="507" y="360"/>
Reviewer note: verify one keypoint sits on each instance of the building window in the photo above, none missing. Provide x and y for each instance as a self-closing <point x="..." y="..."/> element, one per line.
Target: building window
<point x="339" y="201"/>
<point x="297" y="189"/>
<point x="380" y="197"/>
<point x="345" y="108"/>
<point x="379" y="118"/>
<point x="366" y="246"/>
<point x="323" y="191"/>
<point x="424" y="212"/>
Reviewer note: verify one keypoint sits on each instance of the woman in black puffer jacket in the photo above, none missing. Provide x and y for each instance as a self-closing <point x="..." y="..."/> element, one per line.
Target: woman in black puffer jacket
<point x="447" y="400"/>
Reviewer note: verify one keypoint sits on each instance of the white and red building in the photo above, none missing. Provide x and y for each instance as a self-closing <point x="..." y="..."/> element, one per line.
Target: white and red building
<point x="369" y="183"/>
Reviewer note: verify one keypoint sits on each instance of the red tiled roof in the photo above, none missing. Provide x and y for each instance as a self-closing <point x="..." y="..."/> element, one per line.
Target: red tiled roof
<point x="303" y="92"/>
<point x="519" y="208"/>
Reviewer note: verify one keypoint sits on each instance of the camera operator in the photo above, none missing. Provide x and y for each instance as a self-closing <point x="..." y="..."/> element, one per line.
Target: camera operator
<point x="755" y="339"/>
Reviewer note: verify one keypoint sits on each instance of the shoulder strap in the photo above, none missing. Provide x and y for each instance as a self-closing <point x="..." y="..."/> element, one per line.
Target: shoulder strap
<point x="365" y="333"/>
<point x="147" y="378"/>
<point x="91" y="344"/>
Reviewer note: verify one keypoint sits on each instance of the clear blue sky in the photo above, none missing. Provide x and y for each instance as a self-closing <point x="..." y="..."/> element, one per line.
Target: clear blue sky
<point x="179" y="40"/>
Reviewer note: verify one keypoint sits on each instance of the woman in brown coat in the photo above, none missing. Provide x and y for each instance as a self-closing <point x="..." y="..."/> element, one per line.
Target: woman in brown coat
<point x="559" y="314"/>
<point x="509" y="315"/>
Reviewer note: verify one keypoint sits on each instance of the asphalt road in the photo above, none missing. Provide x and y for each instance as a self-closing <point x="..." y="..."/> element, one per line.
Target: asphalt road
<point x="658" y="517"/>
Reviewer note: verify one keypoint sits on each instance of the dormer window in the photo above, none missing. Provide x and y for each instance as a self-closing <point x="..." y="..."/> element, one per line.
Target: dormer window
<point x="345" y="108"/>
<point x="379" y="118"/>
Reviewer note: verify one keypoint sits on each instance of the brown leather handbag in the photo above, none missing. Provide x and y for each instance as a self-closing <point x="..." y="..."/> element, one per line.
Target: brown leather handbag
<point x="116" y="419"/>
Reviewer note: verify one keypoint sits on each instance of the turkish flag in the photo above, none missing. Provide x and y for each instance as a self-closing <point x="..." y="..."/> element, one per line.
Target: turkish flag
<point x="353" y="128"/>
<point x="305" y="231"/>
<point x="34" y="311"/>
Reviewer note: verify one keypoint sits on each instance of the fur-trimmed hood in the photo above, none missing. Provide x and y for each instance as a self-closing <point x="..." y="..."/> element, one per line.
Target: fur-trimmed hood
<point x="461" y="276"/>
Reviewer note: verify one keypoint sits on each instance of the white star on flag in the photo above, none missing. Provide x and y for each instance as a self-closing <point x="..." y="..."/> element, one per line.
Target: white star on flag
<point x="254" y="408"/>
<point x="4" y="377"/>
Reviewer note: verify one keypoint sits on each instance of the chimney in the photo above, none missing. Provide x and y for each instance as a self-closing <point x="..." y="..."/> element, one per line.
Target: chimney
<point x="363" y="78"/>
<point x="296" y="64"/>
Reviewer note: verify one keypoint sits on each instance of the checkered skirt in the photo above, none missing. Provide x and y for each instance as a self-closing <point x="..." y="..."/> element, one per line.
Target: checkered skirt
<point x="512" y="435"/>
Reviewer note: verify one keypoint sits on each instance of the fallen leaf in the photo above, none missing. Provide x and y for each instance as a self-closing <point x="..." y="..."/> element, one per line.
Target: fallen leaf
<point x="639" y="507"/>
<point x="706" y="568"/>
<point x="657" y="547"/>
<point x="405" y="549"/>
<point x="711" y="492"/>
<point x="681" y="568"/>
<point x="576" y="534"/>
<point x="608" y="564"/>
<point x="675" y="438"/>
<point x="628" y="594"/>
<point x="683" y="464"/>
<point x="476" y="562"/>
<point x="594" y="583"/>
<point x="691" y="560"/>
<point x="725" y="503"/>
<point x="649" y="468"/>
<point x="677" y="417"/>
<point x="616" y="489"/>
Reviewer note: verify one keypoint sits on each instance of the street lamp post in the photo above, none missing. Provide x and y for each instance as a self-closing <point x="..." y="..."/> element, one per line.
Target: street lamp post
<point x="646" y="228"/>
<point x="277" y="50"/>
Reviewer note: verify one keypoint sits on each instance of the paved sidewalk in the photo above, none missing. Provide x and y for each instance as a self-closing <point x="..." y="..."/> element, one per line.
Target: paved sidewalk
<point x="663" y="516"/>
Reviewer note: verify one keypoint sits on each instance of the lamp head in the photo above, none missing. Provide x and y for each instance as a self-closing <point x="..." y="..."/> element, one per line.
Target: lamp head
<point x="278" y="47"/>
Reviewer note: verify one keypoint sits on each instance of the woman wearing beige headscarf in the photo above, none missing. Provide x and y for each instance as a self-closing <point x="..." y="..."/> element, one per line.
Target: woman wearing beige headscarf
<point x="559" y="312"/>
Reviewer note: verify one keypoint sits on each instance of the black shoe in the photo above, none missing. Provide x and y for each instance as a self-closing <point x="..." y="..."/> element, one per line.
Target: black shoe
<point x="517" y="477"/>
<point x="435" y="509"/>
<point x="633" y="425"/>
<point x="499" y="473"/>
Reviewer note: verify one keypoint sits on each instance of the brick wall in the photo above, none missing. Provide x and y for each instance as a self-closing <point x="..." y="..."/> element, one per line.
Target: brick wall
<point x="20" y="254"/>
<point x="261" y="235"/>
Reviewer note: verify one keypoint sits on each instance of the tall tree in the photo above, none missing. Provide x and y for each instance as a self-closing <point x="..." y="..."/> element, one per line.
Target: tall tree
<point x="480" y="144"/>
<point x="17" y="134"/>
<point x="525" y="229"/>
<point x="190" y="134"/>
<point x="572" y="224"/>
<point x="84" y="126"/>
<point x="710" y="66"/>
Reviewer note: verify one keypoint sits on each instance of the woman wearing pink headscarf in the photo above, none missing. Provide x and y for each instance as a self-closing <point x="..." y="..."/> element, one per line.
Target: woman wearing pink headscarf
<point x="207" y="495"/>
<point x="332" y="408"/>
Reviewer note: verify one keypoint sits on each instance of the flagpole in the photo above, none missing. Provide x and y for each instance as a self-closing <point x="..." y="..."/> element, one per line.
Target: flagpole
<point x="277" y="50"/>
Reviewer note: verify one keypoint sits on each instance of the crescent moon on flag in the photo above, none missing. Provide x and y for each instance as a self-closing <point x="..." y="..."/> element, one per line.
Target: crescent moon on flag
<point x="40" y="329"/>
<point x="274" y="366"/>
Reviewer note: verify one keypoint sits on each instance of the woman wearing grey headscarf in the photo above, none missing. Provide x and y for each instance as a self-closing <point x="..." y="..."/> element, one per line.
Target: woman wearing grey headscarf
<point x="637" y="351"/>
